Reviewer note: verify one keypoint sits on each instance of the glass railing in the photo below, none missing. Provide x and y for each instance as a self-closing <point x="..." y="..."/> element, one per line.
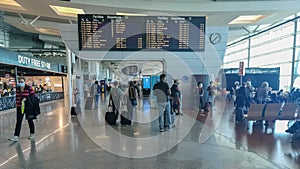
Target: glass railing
<point x="9" y="102"/>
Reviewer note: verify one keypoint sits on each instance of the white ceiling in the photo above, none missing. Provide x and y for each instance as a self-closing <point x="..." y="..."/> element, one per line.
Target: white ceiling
<point x="38" y="14"/>
<point x="144" y="67"/>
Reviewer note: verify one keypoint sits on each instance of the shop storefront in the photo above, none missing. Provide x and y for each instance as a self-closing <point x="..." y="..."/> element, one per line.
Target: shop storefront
<point x="46" y="78"/>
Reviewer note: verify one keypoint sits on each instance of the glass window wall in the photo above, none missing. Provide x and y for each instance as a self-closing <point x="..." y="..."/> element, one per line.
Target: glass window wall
<point x="272" y="48"/>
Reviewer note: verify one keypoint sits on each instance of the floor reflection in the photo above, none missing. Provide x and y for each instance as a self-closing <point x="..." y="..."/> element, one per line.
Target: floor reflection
<point x="60" y="139"/>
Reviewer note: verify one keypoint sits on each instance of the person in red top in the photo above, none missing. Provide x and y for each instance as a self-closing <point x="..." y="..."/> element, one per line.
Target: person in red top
<point x="22" y="92"/>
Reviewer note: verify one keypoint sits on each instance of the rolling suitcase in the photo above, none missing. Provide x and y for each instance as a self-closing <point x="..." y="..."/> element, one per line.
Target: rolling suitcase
<point x="239" y="115"/>
<point x="73" y="111"/>
<point x="89" y="103"/>
<point x="240" y="111"/>
<point x="126" y="118"/>
<point x="110" y="118"/>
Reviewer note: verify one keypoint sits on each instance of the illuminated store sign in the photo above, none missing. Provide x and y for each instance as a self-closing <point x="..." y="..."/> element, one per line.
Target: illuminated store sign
<point x="18" y="59"/>
<point x="33" y="62"/>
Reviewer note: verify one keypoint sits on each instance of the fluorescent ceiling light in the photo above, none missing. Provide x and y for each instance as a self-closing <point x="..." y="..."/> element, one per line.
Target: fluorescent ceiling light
<point x="66" y="11"/>
<point x="48" y="31"/>
<point x="11" y="4"/>
<point x="130" y="14"/>
<point x="244" y="19"/>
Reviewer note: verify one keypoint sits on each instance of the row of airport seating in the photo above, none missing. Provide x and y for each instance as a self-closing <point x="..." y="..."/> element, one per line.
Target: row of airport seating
<point x="272" y="112"/>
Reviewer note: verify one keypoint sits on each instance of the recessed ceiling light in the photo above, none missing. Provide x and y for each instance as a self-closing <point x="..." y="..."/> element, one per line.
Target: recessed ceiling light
<point x="11" y="4"/>
<point x="244" y="19"/>
<point x="67" y="11"/>
<point x="130" y="14"/>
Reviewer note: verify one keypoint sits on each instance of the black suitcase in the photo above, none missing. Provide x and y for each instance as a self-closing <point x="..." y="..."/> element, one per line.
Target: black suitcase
<point x="89" y="103"/>
<point x="239" y="115"/>
<point x="110" y="118"/>
<point x="73" y="111"/>
<point x="126" y="118"/>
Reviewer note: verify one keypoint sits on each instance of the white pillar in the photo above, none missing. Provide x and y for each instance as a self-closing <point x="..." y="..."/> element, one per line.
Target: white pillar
<point x="97" y="71"/>
<point x="69" y="66"/>
<point x="79" y="66"/>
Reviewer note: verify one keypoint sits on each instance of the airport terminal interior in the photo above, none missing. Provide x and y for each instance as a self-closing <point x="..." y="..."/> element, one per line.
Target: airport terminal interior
<point x="206" y="84"/>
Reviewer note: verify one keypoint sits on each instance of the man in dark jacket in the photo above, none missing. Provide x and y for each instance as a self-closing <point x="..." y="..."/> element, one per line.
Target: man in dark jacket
<point x="243" y="97"/>
<point x="162" y="91"/>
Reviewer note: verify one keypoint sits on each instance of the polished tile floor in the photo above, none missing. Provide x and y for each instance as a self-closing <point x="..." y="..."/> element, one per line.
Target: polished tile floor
<point x="204" y="141"/>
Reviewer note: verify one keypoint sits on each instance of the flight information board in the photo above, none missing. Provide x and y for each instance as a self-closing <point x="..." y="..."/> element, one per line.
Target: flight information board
<point x="133" y="33"/>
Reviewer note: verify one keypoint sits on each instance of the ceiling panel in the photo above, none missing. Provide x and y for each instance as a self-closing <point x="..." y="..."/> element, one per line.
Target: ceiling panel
<point x="219" y="12"/>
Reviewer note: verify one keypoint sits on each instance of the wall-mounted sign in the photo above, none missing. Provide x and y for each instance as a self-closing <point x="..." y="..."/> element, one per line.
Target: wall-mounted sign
<point x="241" y="69"/>
<point x="34" y="62"/>
<point x="134" y="33"/>
<point x="130" y="70"/>
<point x="146" y="82"/>
<point x="18" y="59"/>
<point x="185" y="79"/>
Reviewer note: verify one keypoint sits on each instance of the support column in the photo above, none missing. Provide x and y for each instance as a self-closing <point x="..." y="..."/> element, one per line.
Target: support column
<point x="79" y="66"/>
<point x="16" y="77"/>
<point x="69" y="66"/>
<point x="249" y="52"/>
<point x="294" y="55"/>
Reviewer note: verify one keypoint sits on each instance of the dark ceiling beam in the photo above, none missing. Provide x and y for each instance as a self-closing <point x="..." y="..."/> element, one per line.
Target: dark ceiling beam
<point x="246" y="29"/>
<point x="37" y="50"/>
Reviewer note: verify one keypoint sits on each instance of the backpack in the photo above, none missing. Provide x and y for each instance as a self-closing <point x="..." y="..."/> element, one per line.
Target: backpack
<point x="173" y="91"/>
<point x="98" y="89"/>
<point x="32" y="106"/>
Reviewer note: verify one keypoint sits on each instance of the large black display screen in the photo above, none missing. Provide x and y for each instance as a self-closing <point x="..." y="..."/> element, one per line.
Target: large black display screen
<point x="133" y="33"/>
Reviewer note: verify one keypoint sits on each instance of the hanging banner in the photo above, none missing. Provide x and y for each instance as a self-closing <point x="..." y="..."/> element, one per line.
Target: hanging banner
<point x="241" y="69"/>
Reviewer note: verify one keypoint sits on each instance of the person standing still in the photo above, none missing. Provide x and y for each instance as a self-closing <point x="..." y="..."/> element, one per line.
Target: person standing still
<point x="132" y="102"/>
<point x="162" y="91"/>
<point x="176" y="97"/>
<point x="22" y="92"/>
<point x="199" y="91"/>
<point x="115" y="98"/>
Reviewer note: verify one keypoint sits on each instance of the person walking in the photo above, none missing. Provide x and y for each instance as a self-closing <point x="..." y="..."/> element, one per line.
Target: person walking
<point x="115" y="98"/>
<point x="95" y="91"/>
<point x="22" y="93"/>
<point x="162" y="91"/>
